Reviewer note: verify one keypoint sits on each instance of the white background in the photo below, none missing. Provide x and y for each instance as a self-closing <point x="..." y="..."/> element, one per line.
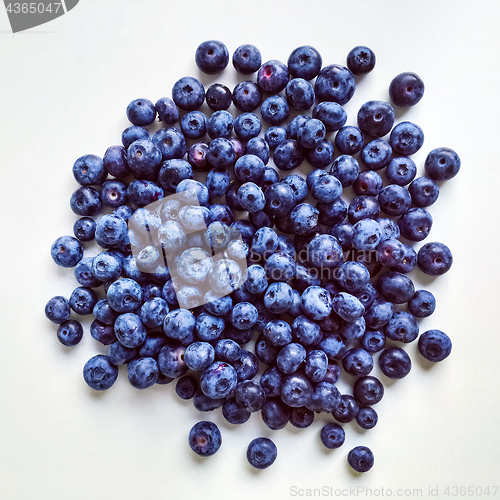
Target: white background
<point x="64" y="88"/>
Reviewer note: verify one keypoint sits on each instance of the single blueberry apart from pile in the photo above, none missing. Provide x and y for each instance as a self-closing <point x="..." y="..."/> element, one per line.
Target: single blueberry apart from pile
<point x="205" y="438"/>
<point x="361" y="60"/>
<point x="360" y="459"/>
<point x="406" y="89"/>
<point x="211" y="57"/>
<point x="434" y="345"/>
<point x="261" y="453"/>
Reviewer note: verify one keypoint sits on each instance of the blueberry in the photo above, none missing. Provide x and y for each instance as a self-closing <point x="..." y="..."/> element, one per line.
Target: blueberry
<point x="332" y="436"/>
<point x="408" y="263"/>
<point x="261" y="453"/>
<point x="106" y="266"/>
<point x="115" y="158"/>
<point x="368" y="390"/>
<point x="57" y="309"/>
<point x="205" y="438"/>
<point x="296" y="390"/>
<point x="86" y="201"/>
<point x="306" y="331"/>
<point x="288" y="155"/>
<point x="367" y="418"/>
<point x="357" y="362"/>
<point x="171" y="361"/>
<point x="353" y="276"/>
<point x="360" y="459"/>
<point x="349" y="140"/>
<point x="415" y="224"/>
<point x="124" y="295"/>
<point x="294" y="124"/>
<point x="280" y="267"/>
<point x="167" y="110"/>
<point x="321" y="155"/>
<point x="220" y="124"/>
<point x="105" y="334"/>
<point x="188" y="93"/>
<point x="367" y="295"/>
<point x="142" y="192"/>
<point x="300" y="94"/>
<point x="244" y="315"/>
<point x="434" y="259"/>
<point x="376" y="154"/>
<point x="70" y="332"/>
<point x="371" y="341"/>
<point x="141" y="112"/>
<point x="89" y="170"/>
<point x="394" y="363"/>
<point x="396" y="287"/>
<point x="153" y="312"/>
<point x="366" y="234"/>
<point x="144" y="157"/>
<point x="142" y="372"/>
<point x="325" y="398"/>
<point x="221" y="153"/>
<point x="124" y="211"/>
<point x="234" y="413"/>
<point x="249" y="395"/>
<point x="406" y="89"/>
<point x="304" y="62"/>
<point x="83" y="300"/>
<point x="247" y="96"/>
<point x="301" y="417"/>
<point x="218" y="380"/>
<point x="335" y="83"/>
<point x="304" y="219"/>
<point x="311" y="133"/>
<point x="290" y="357"/>
<point x="199" y="355"/>
<point x="247" y="125"/>
<point x="170" y="142"/>
<point x="406" y="138"/>
<point x="275" y="414"/>
<point x="152" y="346"/>
<point x="273" y="76"/>
<point x="110" y="229"/>
<point x="332" y="372"/>
<point x="265" y="351"/>
<point x="346" y="169"/>
<point x="193" y="125"/>
<point x="194" y="218"/>
<point x="274" y="110"/>
<point x="247" y="59"/>
<point x="442" y="164"/>
<point x="179" y="324"/>
<point x="394" y="200"/>
<point x="324" y="252"/>
<point x="212" y="57"/>
<point x="246" y="365"/>
<point x="422" y="304"/>
<point x="280" y="199"/>
<point x="251" y="197"/>
<point x="129" y="136"/>
<point x="99" y="373"/>
<point x="204" y="403"/>
<point x="351" y="332"/>
<point x="316" y="303"/>
<point x="347" y="306"/>
<point x="434" y="345"/>
<point x="218" y="97"/>
<point x="401" y="170"/>
<point x="361" y="60"/>
<point x="376" y="118"/>
<point x="390" y="252"/>
<point x="130" y="330"/>
<point x="424" y="192"/>
<point x="347" y="410"/>
<point x="278" y="333"/>
<point x="402" y="327"/>
<point x="186" y="387"/>
<point x="250" y="168"/>
<point x="333" y="115"/>
<point x="316" y="365"/>
<point x="368" y="182"/>
<point x="278" y="297"/>
<point x="275" y="136"/>
<point x="258" y="146"/>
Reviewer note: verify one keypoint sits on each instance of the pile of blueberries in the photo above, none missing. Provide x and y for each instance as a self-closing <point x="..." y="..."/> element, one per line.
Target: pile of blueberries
<point x="323" y="285"/>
